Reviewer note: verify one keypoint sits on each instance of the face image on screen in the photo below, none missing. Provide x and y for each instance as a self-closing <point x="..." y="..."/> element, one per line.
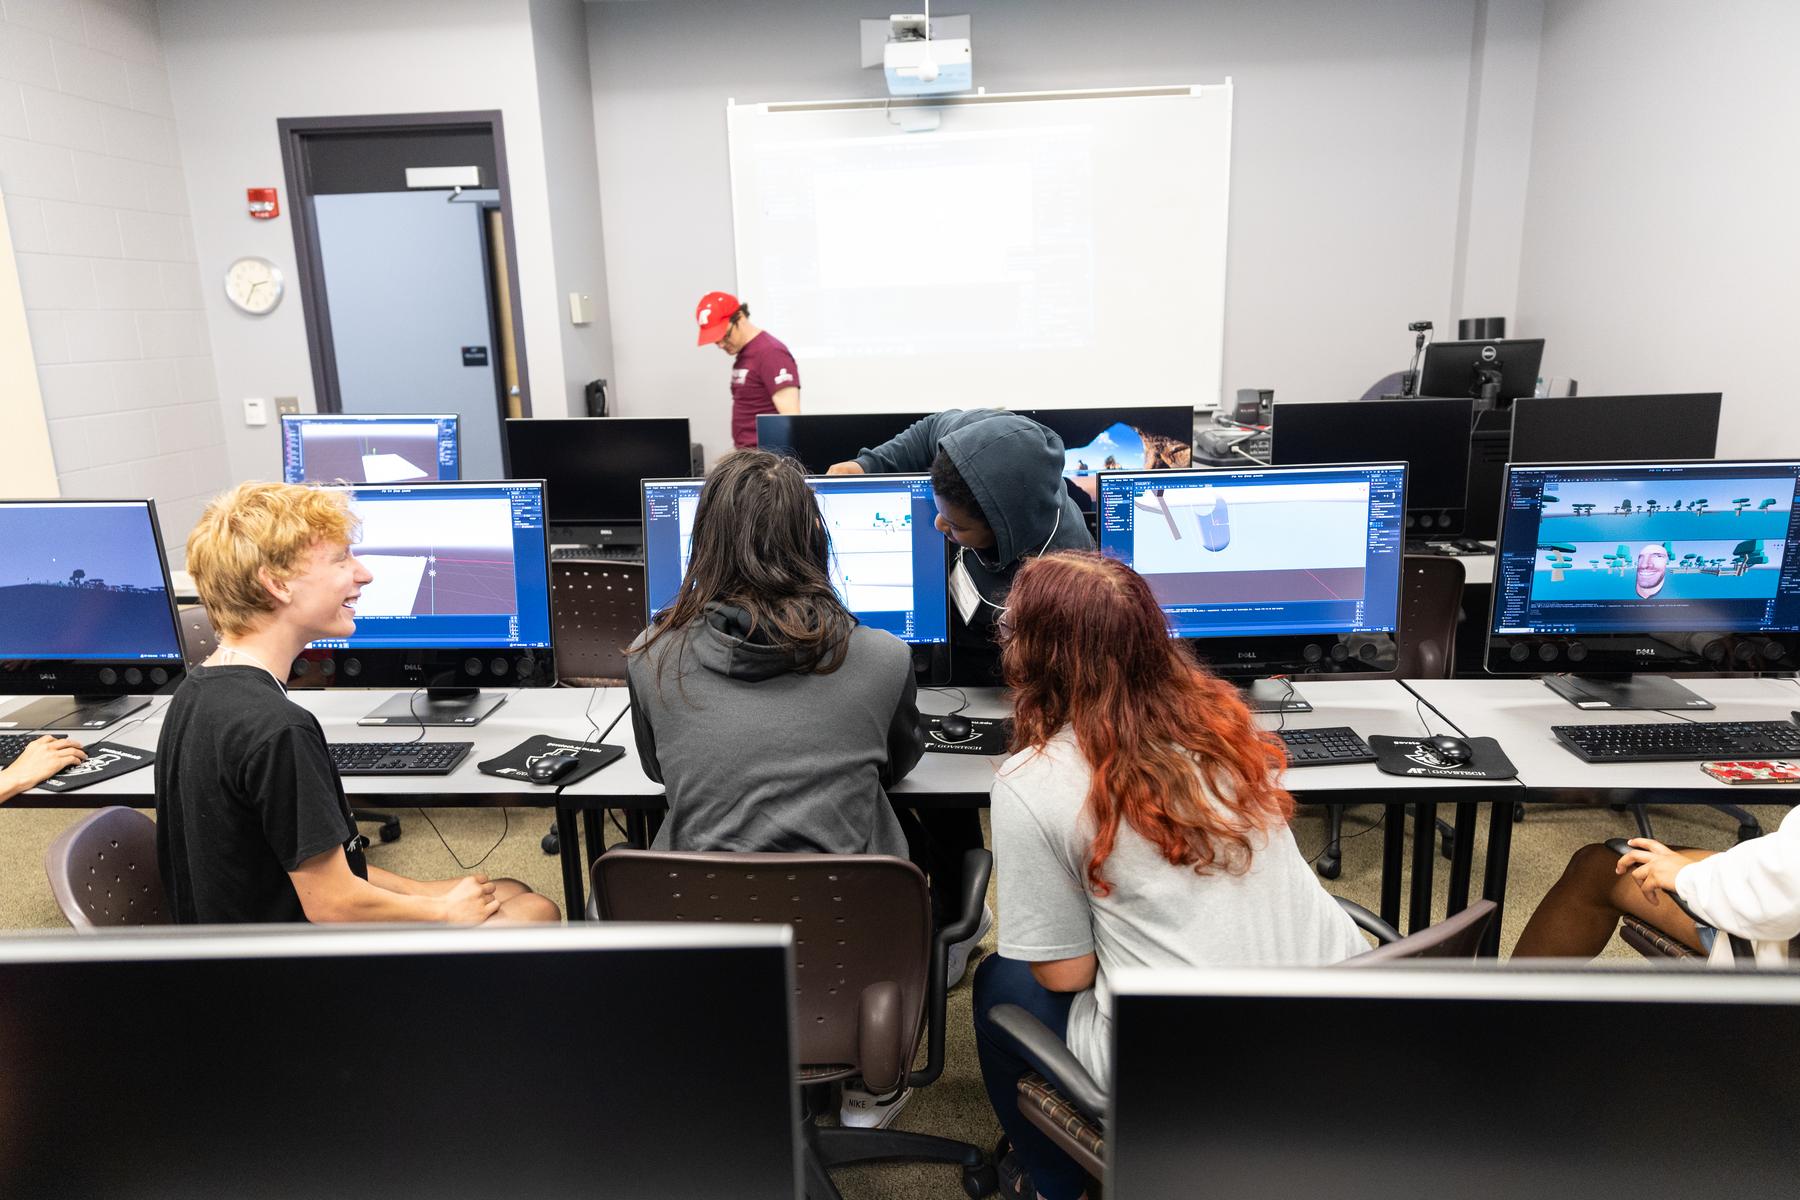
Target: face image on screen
<point x="886" y="560"/>
<point x="453" y="565"/>
<point x="81" y="580"/>
<point x="1629" y="548"/>
<point x="368" y="450"/>
<point x="592" y="465"/>
<point x="1242" y="552"/>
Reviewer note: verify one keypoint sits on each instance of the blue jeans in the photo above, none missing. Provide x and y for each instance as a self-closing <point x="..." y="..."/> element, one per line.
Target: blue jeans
<point x="1008" y="981"/>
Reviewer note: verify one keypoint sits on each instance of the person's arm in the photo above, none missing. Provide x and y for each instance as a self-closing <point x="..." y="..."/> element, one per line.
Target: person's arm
<point x="1045" y="919"/>
<point x="331" y="893"/>
<point x="905" y="739"/>
<point x="40" y="759"/>
<point x="912" y="449"/>
<point x="1752" y="889"/>
<point x="786" y="401"/>
<point x="641" y="730"/>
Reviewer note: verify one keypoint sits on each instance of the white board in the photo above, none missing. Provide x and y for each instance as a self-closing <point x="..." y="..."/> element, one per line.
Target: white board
<point x="1035" y="249"/>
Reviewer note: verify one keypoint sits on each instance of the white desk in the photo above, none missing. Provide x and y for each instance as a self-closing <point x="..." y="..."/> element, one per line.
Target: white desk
<point x="1519" y="714"/>
<point x="948" y="780"/>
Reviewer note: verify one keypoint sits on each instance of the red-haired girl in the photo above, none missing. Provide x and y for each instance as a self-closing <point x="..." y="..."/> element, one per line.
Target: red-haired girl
<point x="1139" y="824"/>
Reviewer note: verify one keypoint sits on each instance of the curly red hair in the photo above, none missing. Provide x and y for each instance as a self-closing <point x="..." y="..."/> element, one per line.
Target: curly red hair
<point x="1173" y="749"/>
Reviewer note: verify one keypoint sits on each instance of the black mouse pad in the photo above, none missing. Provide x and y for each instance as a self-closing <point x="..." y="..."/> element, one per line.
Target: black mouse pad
<point x="516" y="763"/>
<point x="1414" y="757"/>
<point x="987" y="735"/>
<point x="105" y="760"/>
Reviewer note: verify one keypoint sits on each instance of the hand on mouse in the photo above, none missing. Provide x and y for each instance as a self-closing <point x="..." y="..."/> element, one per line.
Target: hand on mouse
<point x="39" y="761"/>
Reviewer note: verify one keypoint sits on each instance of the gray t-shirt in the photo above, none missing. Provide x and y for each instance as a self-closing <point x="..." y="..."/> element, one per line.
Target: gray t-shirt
<point x="1158" y="914"/>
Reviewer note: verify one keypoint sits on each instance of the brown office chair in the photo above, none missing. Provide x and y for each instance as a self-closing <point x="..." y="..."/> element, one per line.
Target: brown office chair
<point x="103" y="871"/>
<point x="597" y="609"/>
<point x="1069" y="1106"/>
<point x="199" y="640"/>
<point x="868" y="974"/>
<point x="1430" y="602"/>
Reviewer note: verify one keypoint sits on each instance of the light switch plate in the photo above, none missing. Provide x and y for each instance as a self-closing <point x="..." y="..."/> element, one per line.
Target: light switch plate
<point x="581" y="308"/>
<point x="256" y="412"/>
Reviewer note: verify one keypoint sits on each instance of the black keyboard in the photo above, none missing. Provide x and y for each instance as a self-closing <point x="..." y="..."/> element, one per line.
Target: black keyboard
<point x="598" y="553"/>
<point x="1680" y="741"/>
<point x="13" y="744"/>
<point x="1325" y="747"/>
<point x="397" y="758"/>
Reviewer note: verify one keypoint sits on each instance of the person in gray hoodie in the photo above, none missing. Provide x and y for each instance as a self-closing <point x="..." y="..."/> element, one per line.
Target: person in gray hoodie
<point x="998" y="481"/>
<point x="772" y="718"/>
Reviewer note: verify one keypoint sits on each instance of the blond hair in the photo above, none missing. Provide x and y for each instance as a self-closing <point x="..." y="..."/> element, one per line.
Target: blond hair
<point x="255" y="526"/>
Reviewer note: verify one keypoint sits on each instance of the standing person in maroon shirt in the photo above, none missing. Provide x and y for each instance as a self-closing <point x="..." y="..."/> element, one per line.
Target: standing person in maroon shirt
<point x="764" y="376"/>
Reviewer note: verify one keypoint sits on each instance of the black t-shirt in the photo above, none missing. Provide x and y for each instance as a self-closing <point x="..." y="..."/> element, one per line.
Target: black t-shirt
<point x="245" y="793"/>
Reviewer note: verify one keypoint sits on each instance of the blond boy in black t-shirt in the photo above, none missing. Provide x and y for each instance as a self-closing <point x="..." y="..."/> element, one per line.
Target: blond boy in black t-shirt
<point x="252" y="823"/>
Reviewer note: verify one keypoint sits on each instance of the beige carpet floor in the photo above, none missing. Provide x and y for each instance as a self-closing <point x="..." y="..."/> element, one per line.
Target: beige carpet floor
<point x="955" y="1106"/>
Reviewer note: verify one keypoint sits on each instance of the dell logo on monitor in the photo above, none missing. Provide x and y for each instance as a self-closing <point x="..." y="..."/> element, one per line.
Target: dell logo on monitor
<point x="1646" y="651"/>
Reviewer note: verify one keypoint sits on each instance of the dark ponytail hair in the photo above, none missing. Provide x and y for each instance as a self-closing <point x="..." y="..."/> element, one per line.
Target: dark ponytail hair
<point x="759" y="544"/>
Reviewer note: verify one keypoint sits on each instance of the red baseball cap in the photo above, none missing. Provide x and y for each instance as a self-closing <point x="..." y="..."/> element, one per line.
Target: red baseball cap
<point x="713" y="314"/>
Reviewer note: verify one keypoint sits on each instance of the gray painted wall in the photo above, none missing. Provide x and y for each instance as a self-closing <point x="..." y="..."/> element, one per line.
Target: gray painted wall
<point x="1660" y="249"/>
<point x="1351" y="132"/>
<point x="99" y="214"/>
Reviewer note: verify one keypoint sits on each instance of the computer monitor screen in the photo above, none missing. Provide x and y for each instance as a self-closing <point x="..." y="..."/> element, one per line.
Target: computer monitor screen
<point x="461" y="594"/>
<point x="819" y="440"/>
<point x="1281" y="561"/>
<point x="1615" y="428"/>
<point x="887" y="559"/>
<point x="352" y="448"/>
<point x="1495" y="372"/>
<point x="1549" y="1053"/>
<point x="1647" y="567"/>
<point x="1431" y="435"/>
<point x="87" y="606"/>
<point x="227" y="1063"/>
<point x="591" y="466"/>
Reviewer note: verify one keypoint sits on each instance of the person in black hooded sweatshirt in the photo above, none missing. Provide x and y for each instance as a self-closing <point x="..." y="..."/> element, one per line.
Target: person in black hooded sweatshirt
<point x="997" y="479"/>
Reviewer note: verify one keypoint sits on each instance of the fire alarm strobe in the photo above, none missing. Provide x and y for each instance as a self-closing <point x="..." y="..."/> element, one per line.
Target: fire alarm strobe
<point x="263" y="203"/>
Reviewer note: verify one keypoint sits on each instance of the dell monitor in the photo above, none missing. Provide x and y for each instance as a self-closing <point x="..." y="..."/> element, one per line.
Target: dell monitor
<point x="89" y="617"/>
<point x="591" y="467"/>
<point x="354" y="448"/>
<point x="1431" y="435"/>
<point x="1269" y="571"/>
<point x="231" y="1062"/>
<point x="460" y="599"/>
<point x="887" y="558"/>
<point x="1615" y="428"/>
<point x="1482" y="1084"/>
<point x="1626" y="572"/>
<point x="1493" y="373"/>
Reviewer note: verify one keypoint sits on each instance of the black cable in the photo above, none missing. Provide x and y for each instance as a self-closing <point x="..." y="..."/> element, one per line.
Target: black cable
<point x="412" y="706"/>
<point x="1342" y="838"/>
<point x="505" y="828"/>
<point x="962" y="697"/>
<point x="1669" y="712"/>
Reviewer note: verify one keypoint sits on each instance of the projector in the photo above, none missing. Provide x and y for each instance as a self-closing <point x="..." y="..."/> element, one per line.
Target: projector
<point x="916" y="65"/>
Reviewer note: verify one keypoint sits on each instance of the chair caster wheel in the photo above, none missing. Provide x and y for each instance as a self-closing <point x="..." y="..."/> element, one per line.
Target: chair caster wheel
<point x="1330" y="866"/>
<point x="980" y="1181"/>
<point x="552" y="841"/>
<point x="390" y="831"/>
<point x="1518" y="813"/>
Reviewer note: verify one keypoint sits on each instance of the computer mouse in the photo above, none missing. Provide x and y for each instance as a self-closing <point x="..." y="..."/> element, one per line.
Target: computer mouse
<point x="1452" y="750"/>
<point x="551" y="767"/>
<point x="956" y="727"/>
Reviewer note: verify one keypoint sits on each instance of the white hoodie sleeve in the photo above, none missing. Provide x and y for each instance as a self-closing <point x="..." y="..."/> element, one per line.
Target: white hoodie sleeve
<point x="1753" y="889"/>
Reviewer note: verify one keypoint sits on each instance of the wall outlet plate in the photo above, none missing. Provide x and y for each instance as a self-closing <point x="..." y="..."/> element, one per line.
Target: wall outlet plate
<point x="287" y="406"/>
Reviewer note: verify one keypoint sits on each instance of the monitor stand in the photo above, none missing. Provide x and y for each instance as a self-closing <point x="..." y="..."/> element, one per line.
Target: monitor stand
<point x="1273" y="696"/>
<point x="1625" y="693"/>
<point x="436" y="706"/>
<point x="73" y="712"/>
